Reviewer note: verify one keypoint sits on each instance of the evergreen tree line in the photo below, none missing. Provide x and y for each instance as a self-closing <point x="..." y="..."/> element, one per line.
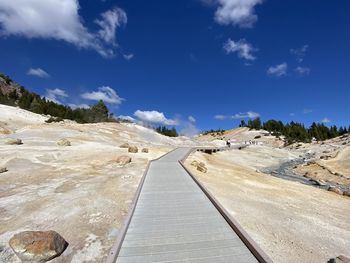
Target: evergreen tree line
<point x="218" y="131"/>
<point x="34" y="103"/>
<point x="170" y="132"/>
<point x="297" y="132"/>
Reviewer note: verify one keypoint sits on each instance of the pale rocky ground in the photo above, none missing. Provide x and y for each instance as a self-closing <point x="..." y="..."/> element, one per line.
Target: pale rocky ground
<point x="292" y="222"/>
<point x="79" y="191"/>
<point x="83" y="194"/>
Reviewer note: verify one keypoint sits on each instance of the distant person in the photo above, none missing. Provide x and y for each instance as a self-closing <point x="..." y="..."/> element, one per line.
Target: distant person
<point x="228" y="143"/>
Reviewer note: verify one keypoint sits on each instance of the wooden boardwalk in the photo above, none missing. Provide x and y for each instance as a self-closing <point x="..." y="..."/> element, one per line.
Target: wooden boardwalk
<point x="174" y="221"/>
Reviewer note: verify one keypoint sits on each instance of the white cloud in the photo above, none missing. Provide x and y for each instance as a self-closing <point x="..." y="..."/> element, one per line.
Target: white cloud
<point x="299" y="53"/>
<point x="278" y="70"/>
<point x="191" y="119"/>
<point x="128" y="56"/>
<point x="221" y="117"/>
<point x="307" y="111"/>
<point x="154" y="117"/>
<point x="105" y="93"/>
<point x="303" y="71"/>
<point x="55" y="95"/>
<point x="242" y="48"/>
<point x="109" y="22"/>
<point x="240" y="115"/>
<point x="189" y="129"/>
<point x="60" y="20"/>
<point x="326" y="120"/>
<point x="38" y="72"/>
<point x="292" y="114"/>
<point x="125" y="117"/>
<point x="76" y="106"/>
<point x="236" y="12"/>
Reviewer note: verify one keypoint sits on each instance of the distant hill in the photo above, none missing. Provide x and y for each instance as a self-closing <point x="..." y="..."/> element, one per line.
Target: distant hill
<point x="13" y="94"/>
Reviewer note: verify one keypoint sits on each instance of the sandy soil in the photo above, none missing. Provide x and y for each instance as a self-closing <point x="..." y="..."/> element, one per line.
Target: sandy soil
<point x="292" y="222"/>
<point x="78" y="191"/>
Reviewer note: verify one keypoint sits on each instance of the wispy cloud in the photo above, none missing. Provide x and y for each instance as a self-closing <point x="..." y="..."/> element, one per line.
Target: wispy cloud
<point x="326" y="120"/>
<point x="302" y="71"/>
<point x="126" y="117"/>
<point x="60" y="20"/>
<point x="76" y="106"/>
<point x="105" y="93"/>
<point x="278" y="70"/>
<point x="191" y="119"/>
<point x="299" y="53"/>
<point x="128" y="56"/>
<point x="38" y="72"/>
<point x="154" y="117"/>
<point x="242" y="48"/>
<point x="235" y="12"/>
<point x="240" y="115"/>
<point x="55" y="95"/>
<point x="307" y="111"/>
<point x="189" y="129"/>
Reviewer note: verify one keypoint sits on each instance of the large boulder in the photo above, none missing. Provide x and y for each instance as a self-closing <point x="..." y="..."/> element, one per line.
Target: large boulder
<point x="123" y="159"/>
<point x="38" y="246"/>
<point x="133" y="149"/>
<point x="64" y="142"/>
<point x="340" y="259"/>
<point x="3" y="170"/>
<point x="14" y="142"/>
<point x="124" y="145"/>
<point x="145" y="150"/>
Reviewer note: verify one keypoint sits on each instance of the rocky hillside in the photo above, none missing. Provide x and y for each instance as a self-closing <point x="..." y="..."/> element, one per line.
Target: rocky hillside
<point x="9" y="88"/>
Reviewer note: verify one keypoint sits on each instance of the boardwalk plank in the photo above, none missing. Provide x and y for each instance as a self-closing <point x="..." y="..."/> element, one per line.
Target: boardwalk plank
<point x="174" y="221"/>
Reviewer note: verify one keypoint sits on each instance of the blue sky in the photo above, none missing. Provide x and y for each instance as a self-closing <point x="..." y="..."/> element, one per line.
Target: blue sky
<point x="217" y="61"/>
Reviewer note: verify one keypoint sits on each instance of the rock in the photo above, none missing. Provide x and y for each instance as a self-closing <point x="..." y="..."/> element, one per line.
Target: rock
<point x="63" y="142"/>
<point x="307" y="175"/>
<point x="202" y="169"/>
<point x="340" y="259"/>
<point x="123" y="159"/>
<point x="144" y="150"/>
<point x="201" y="164"/>
<point x="133" y="149"/>
<point x="335" y="190"/>
<point x="3" y="170"/>
<point x="38" y="246"/>
<point x="347" y="193"/>
<point x="14" y="142"/>
<point x="124" y="145"/>
<point x="322" y="182"/>
<point x="195" y="163"/>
